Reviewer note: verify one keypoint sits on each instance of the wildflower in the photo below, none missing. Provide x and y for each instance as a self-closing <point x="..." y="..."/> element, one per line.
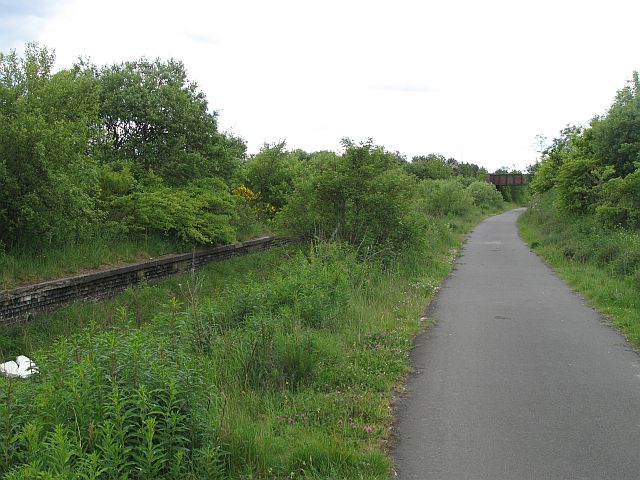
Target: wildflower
<point x="246" y="193"/>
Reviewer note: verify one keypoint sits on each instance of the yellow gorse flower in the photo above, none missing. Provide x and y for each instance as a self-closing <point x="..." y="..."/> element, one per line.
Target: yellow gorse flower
<point x="246" y="193"/>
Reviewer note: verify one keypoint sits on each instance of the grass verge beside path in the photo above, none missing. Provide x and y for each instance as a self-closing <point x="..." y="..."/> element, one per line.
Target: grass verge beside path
<point x="580" y="259"/>
<point x="276" y="365"/>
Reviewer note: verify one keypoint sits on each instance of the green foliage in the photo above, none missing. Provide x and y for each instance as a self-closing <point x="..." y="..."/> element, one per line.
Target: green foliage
<point x="437" y="167"/>
<point x="441" y="198"/>
<point x="615" y="138"/>
<point x="620" y="204"/>
<point x="363" y="197"/>
<point x="105" y="405"/>
<point x="468" y="170"/>
<point x="157" y="119"/>
<point x="576" y="182"/>
<point x="271" y="173"/>
<point x="552" y="159"/>
<point x="485" y="195"/>
<point x="198" y="213"/>
<point x="432" y="166"/>
<point x="125" y="149"/>
<point x="594" y="170"/>
<point x="47" y="184"/>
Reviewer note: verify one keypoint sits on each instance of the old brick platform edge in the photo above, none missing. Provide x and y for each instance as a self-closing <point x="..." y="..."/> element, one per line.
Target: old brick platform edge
<point x="24" y="303"/>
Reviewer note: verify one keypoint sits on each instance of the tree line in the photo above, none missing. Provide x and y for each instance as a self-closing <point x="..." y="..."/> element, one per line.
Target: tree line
<point x="594" y="171"/>
<point x="133" y="149"/>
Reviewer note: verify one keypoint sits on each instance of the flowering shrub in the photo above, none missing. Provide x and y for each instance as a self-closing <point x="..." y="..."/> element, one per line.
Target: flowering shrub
<point x="246" y="193"/>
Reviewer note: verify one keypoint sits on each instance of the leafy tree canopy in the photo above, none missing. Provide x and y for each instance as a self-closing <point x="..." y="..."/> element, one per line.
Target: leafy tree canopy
<point x="156" y="117"/>
<point x="594" y="169"/>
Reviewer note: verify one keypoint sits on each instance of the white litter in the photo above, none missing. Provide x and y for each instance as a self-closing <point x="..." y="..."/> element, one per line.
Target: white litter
<point x="23" y="367"/>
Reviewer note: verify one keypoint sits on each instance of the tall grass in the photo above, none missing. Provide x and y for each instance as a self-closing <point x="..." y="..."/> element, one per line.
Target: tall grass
<point x="276" y="365"/>
<point x="600" y="262"/>
<point x="22" y="266"/>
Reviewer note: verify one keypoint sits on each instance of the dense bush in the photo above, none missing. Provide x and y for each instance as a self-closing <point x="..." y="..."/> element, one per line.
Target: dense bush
<point x="271" y="174"/>
<point x="47" y="183"/>
<point x="362" y="196"/>
<point x="594" y="169"/>
<point x="440" y="198"/>
<point x="78" y="144"/>
<point x="484" y="195"/>
<point x="576" y="183"/>
<point x="199" y="213"/>
<point x="586" y="238"/>
<point x="620" y="204"/>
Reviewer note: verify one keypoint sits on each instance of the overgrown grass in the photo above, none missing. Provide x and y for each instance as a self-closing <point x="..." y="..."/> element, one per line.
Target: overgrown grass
<point x="279" y="364"/>
<point x="141" y="303"/>
<point x="26" y="266"/>
<point x="19" y="267"/>
<point x="602" y="264"/>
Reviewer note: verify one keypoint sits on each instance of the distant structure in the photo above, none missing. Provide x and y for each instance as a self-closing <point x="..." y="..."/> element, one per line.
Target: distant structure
<point x="503" y="179"/>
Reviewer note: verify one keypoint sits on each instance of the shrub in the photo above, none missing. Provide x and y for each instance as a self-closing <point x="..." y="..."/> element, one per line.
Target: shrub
<point x="199" y="213"/>
<point x="484" y="195"/>
<point x="621" y="201"/>
<point x="440" y="198"/>
<point x="363" y="197"/>
<point x="271" y="174"/>
<point x="576" y="183"/>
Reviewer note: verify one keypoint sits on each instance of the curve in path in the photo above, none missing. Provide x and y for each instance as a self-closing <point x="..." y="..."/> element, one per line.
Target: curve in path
<point x="519" y="378"/>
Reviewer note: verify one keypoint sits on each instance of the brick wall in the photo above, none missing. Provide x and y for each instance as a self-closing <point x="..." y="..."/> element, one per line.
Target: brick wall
<point x="23" y="303"/>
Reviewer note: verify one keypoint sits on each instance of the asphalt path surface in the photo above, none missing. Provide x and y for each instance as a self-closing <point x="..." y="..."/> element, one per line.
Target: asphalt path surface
<point x="519" y="378"/>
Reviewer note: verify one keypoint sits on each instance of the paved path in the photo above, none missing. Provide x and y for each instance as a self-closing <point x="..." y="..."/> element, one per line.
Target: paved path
<point x="520" y="378"/>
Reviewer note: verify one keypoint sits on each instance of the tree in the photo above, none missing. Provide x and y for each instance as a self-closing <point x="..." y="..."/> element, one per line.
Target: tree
<point x="362" y="196"/>
<point x="157" y="119"/>
<point x="433" y="166"/>
<point x="615" y="138"/>
<point x="272" y="171"/>
<point x="552" y="158"/>
<point x="47" y="183"/>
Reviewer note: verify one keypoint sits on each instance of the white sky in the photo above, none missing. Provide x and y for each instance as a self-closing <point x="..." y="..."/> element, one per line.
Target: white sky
<point x="475" y="80"/>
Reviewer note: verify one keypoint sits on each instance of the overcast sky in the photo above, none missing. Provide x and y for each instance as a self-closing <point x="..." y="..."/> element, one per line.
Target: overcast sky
<point x="474" y="80"/>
